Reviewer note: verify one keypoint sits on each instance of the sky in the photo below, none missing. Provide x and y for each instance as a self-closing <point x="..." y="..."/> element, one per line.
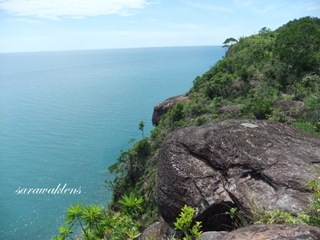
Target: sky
<point x="53" y="25"/>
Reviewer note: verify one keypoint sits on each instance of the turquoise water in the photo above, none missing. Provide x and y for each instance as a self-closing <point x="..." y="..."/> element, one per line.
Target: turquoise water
<point x="65" y="117"/>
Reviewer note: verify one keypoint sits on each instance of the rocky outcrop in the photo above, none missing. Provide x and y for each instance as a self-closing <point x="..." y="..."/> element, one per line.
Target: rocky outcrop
<point x="213" y="235"/>
<point x="267" y="232"/>
<point x="250" y="165"/>
<point x="157" y="231"/>
<point x="232" y="111"/>
<point x="163" y="107"/>
<point x="291" y="108"/>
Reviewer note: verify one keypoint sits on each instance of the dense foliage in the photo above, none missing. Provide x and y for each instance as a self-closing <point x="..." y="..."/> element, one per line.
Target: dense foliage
<point x="94" y="222"/>
<point x="273" y="75"/>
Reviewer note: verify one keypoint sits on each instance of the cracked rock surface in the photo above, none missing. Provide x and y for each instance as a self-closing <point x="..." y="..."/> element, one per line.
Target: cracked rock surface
<point x="267" y="232"/>
<point x="250" y="165"/>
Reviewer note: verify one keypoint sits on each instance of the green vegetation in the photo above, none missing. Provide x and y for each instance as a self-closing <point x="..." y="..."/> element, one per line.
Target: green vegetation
<point x="311" y="216"/>
<point x="131" y="204"/>
<point x="272" y="75"/>
<point x="276" y="216"/>
<point x="229" y="42"/>
<point x="141" y="128"/>
<point x="94" y="222"/>
<point x="185" y="224"/>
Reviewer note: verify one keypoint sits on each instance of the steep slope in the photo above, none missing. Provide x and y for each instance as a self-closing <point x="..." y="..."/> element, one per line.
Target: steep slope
<point x="273" y="75"/>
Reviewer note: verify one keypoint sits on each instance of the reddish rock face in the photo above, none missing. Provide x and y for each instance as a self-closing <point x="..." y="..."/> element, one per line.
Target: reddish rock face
<point x="243" y="164"/>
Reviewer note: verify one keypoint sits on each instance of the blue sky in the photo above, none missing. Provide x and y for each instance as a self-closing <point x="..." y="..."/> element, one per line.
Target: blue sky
<point x="50" y="25"/>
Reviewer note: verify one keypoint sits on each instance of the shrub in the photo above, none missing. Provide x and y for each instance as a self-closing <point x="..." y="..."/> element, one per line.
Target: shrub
<point x="312" y="105"/>
<point x="306" y="126"/>
<point x="94" y="222"/>
<point x="276" y="216"/>
<point x="129" y="168"/>
<point x="311" y="216"/>
<point x="185" y="224"/>
<point x="219" y="86"/>
<point x="313" y="212"/>
<point x="131" y="204"/>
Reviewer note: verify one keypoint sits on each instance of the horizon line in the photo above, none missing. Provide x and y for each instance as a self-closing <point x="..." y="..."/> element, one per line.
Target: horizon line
<point x="99" y="49"/>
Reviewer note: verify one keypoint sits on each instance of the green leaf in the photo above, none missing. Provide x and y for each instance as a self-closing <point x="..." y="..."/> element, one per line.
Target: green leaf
<point x="74" y="213"/>
<point x="131" y="202"/>
<point x="184" y="222"/>
<point x="92" y="215"/>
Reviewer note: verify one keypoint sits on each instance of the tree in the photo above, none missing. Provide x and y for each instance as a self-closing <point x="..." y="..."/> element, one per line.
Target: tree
<point x="264" y="30"/>
<point x="229" y="42"/>
<point x="298" y="45"/>
<point x="141" y="128"/>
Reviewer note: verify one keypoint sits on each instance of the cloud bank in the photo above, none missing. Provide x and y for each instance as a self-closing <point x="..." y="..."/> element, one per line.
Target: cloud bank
<point x="55" y="9"/>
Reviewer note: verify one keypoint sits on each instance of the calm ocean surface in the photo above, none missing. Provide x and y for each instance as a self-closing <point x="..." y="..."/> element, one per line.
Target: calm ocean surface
<point x="65" y="117"/>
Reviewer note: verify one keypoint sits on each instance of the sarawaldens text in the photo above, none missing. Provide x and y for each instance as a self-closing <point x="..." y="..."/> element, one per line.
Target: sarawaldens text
<point x="57" y="190"/>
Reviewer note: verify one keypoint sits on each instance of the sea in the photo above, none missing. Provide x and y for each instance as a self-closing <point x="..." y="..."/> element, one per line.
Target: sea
<point x="66" y="116"/>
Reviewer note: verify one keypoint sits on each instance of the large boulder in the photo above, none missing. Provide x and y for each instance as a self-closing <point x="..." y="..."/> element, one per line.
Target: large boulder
<point x="272" y="231"/>
<point x="157" y="231"/>
<point x="163" y="107"/>
<point x="251" y="165"/>
<point x="213" y="235"/>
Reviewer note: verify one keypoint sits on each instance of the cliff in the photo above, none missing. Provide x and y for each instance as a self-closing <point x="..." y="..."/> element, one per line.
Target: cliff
<point x="272" y="76"/>
<point x="234" y="141"/>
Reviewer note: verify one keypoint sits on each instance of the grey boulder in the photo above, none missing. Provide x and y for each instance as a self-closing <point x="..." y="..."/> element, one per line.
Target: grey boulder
<point x="273" y="231"/>
<point x="249" y="165"/>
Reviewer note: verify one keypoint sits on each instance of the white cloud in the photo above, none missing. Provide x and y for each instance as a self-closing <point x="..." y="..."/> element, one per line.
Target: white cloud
<point x="55" y="9"/>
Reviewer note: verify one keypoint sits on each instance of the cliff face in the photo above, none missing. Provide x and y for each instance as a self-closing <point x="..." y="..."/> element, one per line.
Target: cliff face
<point x="250" y="165"/>
<point x="212" y="164"/>
<point x="195" y="156"/>
<point x="247" y="164"/>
